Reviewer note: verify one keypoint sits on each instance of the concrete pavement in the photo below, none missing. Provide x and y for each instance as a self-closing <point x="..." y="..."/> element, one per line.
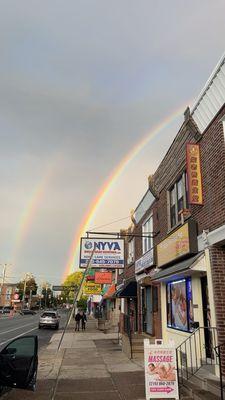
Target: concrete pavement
<point x="90" y="365"/>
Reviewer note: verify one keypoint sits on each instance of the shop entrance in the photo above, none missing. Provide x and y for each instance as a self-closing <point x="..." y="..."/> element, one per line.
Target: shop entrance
<point x="206" y="316"/>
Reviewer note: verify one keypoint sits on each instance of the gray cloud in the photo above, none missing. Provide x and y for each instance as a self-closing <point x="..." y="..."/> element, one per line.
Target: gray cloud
<point x="80" y="84"/>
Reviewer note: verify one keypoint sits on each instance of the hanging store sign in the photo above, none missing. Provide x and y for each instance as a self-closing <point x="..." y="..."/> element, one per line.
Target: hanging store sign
<point x="103" y="277"/>
<point x="194" y="175"/>
<point x="144" y="262"/>
<point x="92" y="288"/>
<point x="108" y="253"/>
<point x="180" y="243"/>
<point x="160" y="371"/>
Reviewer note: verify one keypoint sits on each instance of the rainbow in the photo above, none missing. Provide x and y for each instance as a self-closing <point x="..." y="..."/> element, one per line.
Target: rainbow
<point x="30" y="210"/>
<point x="101" y="195"/>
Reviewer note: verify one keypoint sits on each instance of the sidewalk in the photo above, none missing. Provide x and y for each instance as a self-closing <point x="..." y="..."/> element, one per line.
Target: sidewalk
<point x="90" y="365"/>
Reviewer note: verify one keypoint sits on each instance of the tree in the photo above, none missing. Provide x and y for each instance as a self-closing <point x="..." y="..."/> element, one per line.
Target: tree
<point x="73" y="280"/>
<point x="31" y="286"/>
<point x="47" y="299"/>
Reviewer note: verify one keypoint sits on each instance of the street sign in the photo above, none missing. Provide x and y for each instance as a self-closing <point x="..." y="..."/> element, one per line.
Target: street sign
<point x="62" y="288"/>
<point x="107" y="253"/>
<point x="160" y="371"/>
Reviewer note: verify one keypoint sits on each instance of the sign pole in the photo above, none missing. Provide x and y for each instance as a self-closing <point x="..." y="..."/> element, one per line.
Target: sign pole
<point x="77" y="296"/>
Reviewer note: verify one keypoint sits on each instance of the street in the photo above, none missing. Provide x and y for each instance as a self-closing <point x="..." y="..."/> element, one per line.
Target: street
<point x="13" y="327"/>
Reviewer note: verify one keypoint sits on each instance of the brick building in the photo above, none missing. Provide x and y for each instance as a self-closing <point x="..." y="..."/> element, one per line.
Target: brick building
<point x="180" y="272"/>
<point x="7" y="292"/>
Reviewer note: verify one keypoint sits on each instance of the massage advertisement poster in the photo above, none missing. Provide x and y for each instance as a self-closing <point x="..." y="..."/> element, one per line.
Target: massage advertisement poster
<point x="160" y="371"/>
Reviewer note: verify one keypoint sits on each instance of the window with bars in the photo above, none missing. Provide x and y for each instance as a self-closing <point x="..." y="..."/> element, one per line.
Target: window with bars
<point x="177" y="200"/>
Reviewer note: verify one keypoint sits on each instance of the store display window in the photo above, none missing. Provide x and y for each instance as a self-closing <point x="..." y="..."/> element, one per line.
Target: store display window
<point x="179" y="305"/>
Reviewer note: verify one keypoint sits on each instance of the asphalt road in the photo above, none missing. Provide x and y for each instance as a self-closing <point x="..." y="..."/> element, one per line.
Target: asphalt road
<point x="11" y="328"/>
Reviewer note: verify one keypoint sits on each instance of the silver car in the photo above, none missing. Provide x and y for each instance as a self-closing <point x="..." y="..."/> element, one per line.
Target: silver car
<point x="49" y="319"/>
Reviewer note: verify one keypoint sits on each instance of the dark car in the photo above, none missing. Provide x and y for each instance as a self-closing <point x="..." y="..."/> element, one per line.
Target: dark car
<point x="18" y="364"/>
<point x="27" y="311"/>
<point x="6" y="310"/>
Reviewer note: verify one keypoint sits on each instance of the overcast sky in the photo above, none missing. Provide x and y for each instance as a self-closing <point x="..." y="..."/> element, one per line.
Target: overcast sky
<point x="81" y="82"/>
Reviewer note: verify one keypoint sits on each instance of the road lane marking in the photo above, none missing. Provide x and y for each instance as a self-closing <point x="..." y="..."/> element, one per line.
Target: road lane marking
<point x="15" y="329"/>
<point x="15" y="337"/>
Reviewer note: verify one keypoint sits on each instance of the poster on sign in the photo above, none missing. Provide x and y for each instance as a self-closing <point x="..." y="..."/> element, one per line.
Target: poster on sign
<point x="160" y="371"/>
<point x="108" y="253"/>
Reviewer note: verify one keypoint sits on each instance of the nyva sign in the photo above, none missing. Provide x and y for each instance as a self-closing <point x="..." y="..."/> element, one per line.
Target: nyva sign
<point x="103" y="246"/>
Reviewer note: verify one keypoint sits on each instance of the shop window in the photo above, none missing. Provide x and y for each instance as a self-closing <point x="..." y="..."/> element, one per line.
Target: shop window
<point x="147" y="231"/>
<point x="130" y="256"/>
<point x="177" y="200"/>
<point x="179" y="305"/>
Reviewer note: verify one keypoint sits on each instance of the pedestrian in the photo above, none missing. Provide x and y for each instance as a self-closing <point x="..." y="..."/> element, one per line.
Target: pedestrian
<point x="83" y="321"/>
<point x="77" y="321"/>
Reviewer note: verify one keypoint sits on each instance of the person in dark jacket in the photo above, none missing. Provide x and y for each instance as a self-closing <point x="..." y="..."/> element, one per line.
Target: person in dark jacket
<point x="77" y="321"/>
<point x="83" y="321"/>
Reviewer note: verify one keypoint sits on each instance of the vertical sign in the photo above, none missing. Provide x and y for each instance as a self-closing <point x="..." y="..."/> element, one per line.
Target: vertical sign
<point x="194" y="175"/>
<point x="160" y="371"/>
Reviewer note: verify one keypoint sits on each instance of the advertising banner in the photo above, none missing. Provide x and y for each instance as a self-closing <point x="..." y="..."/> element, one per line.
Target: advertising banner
<point x="108" y="254"/>
<point x="92" y="288"/>
<point x="144" y="262"/>
<point x="160" y="371"/>
<point x="103" y="277"/>
<point x="181" y="242"/>
<point x="194" y="174"/>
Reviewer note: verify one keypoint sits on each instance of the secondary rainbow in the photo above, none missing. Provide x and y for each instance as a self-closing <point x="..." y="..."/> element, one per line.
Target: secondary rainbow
<point x="30" y="210"/>
<point x="99" y="198"/>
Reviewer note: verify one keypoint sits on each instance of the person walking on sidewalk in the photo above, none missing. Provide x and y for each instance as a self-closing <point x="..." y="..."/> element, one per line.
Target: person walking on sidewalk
<point x="83" y="321"/>
<point x="77" y="321"/>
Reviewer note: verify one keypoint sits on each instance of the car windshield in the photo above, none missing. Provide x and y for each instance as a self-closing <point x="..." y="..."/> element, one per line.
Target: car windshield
<point x="48" y="314"/>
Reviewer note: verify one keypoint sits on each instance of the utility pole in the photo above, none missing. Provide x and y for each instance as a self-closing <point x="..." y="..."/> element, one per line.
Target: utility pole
<point x="24" y="287"/>
<point x="3" y="280"/>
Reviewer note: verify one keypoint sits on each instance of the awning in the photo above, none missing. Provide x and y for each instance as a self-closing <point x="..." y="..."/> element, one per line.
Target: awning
<point x="181" y="268"/>
<point x="110" y="292"/>
<point x="129" y="290"/>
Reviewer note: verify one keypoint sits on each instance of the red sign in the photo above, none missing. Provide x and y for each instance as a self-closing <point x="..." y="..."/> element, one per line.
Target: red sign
<point x="194" y="174"/>
<point x="103" y="277"/>
<point x="16" y="296"/>
<point x="90" y="278"/>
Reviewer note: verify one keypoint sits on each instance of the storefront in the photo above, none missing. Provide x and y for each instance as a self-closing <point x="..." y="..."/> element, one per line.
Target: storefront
<point x="148" y="296"/>
<point x="184" y="285"/>
<point x="128" y="292"/>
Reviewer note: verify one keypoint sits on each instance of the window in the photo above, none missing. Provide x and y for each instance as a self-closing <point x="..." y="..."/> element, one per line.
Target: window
<point x="147" y="231"/>
<point x="179" y="305"/>
<point x="177" y="200"/>
<point x="130" y="256"/>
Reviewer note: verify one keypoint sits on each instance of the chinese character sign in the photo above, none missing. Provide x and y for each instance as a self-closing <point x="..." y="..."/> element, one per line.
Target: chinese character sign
<point x="194" y="174"/>
<point x="160" y="371"/>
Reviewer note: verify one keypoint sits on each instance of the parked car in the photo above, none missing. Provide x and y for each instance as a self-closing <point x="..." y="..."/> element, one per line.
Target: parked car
<point x="49" y="319"/>
<point x="27" y="311"/>
<point x="19" y="363"/>
<point x="6" y="310"/>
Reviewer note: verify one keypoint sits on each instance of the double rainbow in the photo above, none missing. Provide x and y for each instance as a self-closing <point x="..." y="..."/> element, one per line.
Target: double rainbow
<point x="101" y="195"/>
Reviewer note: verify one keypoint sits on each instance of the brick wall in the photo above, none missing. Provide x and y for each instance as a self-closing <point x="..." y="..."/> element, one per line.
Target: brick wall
<point x="212" y="214"/>
<point x="217" y="258"/>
